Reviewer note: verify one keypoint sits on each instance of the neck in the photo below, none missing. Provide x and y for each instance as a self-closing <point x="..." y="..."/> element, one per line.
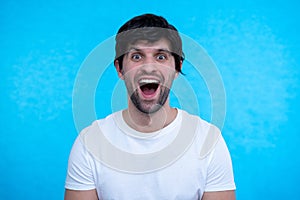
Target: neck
<point x="147" y="123"/>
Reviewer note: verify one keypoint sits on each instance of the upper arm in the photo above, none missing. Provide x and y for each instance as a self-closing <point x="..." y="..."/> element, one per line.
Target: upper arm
<point x="221" y="195"/>
<point x="219" y="172"/>
<point x="80" y="176"/>
<point x="81" y="194"/>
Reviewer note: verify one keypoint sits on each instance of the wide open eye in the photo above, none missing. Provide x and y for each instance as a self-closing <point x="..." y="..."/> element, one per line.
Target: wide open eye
<point x="136" y="57"/>
<point x="161" y="57"/>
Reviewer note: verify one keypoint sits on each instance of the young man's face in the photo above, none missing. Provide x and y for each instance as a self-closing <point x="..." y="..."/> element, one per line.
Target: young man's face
<point x="148" y="71"/>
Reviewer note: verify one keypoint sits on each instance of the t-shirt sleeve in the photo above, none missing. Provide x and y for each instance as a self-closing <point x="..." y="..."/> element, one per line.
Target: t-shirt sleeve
<point x="79" y="173"/>
<point x="220" y="173"/>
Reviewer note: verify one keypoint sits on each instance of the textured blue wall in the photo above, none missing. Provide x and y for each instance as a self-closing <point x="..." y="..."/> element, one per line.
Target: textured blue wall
<point x="254" y="44"/>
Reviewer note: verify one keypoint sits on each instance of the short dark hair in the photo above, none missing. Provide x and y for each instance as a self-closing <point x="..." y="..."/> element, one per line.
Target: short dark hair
<point x="151" y="28"/>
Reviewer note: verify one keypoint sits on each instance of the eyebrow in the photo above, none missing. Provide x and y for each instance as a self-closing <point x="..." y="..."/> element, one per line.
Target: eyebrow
<point x="139" y="50"/>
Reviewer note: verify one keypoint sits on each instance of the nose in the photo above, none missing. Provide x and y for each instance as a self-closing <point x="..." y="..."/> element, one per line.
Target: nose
<point x="149" y="65"/>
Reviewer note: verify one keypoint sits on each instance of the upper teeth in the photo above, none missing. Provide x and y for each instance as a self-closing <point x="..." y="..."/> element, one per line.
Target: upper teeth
<point x="147" y="81"/>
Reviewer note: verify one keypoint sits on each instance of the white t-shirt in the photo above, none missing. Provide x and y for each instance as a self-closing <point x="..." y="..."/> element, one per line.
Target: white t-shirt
<point x="172" y="163"/>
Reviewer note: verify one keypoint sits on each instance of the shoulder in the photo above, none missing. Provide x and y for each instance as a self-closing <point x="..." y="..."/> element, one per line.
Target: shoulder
<point x="207" y="134"/>
<point x="203" y="123"/>
<point x="203" y="126"/>
<point x="99" y="125"/>
<point x="92" y="137"/>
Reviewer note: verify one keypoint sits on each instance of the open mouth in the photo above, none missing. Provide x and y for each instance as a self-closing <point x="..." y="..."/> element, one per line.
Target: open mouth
<point x="148" y="87"/>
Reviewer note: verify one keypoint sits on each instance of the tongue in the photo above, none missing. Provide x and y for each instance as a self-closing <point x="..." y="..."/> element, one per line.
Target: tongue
<point x="148" y="91"/>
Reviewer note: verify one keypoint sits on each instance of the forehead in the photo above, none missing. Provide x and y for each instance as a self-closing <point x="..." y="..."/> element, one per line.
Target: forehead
<point x="144" y="45"/>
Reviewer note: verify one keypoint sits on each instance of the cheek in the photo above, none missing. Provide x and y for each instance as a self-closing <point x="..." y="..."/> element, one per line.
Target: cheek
<point x="129" y="67"/>
<point x="170" y="66"/>
<point x="169" y="72"/>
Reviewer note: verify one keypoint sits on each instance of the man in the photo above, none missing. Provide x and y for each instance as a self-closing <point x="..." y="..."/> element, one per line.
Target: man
<point x="150" y="150"/>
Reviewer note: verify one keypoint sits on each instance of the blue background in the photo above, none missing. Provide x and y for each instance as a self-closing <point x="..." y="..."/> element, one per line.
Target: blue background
<point x="255" y="45"/>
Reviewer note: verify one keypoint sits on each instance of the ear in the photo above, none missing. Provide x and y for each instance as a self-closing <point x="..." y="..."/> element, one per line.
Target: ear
<point x="119" y="71"/>
<point x="177" y="73"/>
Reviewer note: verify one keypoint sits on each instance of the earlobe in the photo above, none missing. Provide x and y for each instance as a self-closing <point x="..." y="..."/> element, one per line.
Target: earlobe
<point x="177" y="73"/>
<point x="119" y="71"/>
<point x="181" y="62"/>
